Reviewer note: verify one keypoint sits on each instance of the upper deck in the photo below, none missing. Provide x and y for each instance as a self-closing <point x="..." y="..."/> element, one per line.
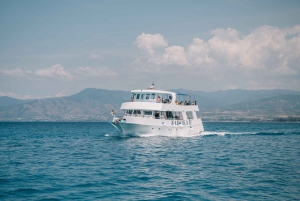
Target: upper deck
<point x="159" y="100"/>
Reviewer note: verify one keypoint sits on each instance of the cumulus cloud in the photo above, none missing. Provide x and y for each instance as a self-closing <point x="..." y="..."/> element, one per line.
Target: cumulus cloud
<point x="198" y="53"/>
<point x="56" y="71"/>
<point x="18" y="72"/>
<point x="59" y="72"/>
<point x="149" y="42"/>
<point x="95" y="72"/>
<point x="174" y="55"/>
<point x="267" y="49"/>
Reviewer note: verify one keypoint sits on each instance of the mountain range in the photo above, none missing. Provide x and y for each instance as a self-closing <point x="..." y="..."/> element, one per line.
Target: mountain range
<point x="95" y="105"/>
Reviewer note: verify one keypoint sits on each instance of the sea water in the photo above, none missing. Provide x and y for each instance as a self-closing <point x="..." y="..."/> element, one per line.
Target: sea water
<point x="90" y="161"/>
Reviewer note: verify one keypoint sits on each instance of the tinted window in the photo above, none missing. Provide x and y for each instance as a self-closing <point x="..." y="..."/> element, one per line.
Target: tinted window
<point x="147" y="112"/>
<point x="137" y="112"/>
<point x="152" y="96"/>
<point x="138" y="96"/>
<point x="147" y="96"/>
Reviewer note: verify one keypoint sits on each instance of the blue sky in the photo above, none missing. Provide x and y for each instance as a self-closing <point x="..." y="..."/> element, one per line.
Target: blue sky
<point x="55" y="48"/>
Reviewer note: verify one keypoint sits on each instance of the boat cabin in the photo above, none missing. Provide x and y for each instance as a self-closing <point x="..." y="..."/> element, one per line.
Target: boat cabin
<point x="159" y="104"/>
<point x="151" y="96"/>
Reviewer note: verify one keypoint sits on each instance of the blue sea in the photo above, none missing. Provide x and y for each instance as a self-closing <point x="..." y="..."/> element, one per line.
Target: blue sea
<point x="89" y="161"/>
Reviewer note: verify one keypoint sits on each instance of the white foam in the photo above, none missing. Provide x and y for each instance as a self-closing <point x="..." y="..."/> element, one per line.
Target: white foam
<point x="147" y="135"/>
<point x="168" y="135"/>
<point x="204" y="133"/>
<point x="223" y="133"/>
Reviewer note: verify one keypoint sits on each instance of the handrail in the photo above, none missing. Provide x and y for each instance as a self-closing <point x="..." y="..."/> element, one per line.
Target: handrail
<point x="153" y="101"/>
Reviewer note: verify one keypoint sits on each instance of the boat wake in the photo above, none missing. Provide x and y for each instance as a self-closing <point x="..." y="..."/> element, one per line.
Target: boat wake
<point x="223" y="133"/>
<point x="202" y="134"/>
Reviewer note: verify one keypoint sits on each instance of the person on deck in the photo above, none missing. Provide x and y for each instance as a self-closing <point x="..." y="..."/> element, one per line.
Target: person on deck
<point x="158" y="99"/>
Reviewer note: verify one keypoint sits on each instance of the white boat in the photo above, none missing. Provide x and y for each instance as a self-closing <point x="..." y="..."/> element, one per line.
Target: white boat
<point x="151" y="111"/>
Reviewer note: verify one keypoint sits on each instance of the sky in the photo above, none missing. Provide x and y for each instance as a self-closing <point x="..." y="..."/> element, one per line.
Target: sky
<point x="58" y="48"/>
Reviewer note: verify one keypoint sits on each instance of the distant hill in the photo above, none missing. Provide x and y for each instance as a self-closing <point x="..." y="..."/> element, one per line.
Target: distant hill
<point x="289" y="104"/>
<point x="218" y="99"/>
<point x="6" y="101"/>
<point x="89" y="104"/>
<point x="100" y="95"/>
<point x="95" y="105"/>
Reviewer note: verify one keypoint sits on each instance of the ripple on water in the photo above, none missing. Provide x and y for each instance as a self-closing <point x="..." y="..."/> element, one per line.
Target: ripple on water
<point x="89" y="161"/>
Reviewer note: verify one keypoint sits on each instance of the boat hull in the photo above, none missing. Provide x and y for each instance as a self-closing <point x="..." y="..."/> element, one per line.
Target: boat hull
<point x="137" y="129"/>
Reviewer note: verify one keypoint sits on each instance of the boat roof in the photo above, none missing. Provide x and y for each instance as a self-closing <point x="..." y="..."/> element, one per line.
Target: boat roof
<point x="180" y="94"/>
<point x="157" y="91"/>
<point x="152" y="91"/>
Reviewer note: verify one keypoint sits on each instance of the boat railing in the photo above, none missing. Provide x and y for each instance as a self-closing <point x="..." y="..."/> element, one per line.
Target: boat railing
<point x="165" y="102"/>
<point x="153" y="117"/>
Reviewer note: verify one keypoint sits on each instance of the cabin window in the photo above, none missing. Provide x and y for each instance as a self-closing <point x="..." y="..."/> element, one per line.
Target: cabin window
<point x="162" y="113"/>
<point x="152" y="96"/>
<point x="137" y="112"/>
<point x="128" y="111"/>
<point x="178" y="115"/>
<point x="147" y="96"/>
<point x="142" y="96"/>
<point x="198" y="114"/>
<point x="147" y="112"/>
<point x="156" y="115"/>
<point x="138" y="96"/>
<point x="169" y="115"/>
<point x="133" y="96"/>
<point x="189" y="115"/>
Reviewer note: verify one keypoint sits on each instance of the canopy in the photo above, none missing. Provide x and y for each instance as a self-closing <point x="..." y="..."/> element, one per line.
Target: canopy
<point x="180" y="94"/>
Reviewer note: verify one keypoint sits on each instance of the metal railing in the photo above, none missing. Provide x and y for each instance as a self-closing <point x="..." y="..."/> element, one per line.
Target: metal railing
<point x="153" y="101"/>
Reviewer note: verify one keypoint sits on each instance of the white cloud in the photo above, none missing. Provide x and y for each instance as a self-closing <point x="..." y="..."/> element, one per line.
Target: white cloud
<point x="266" y="49"/>
<point x="96" y="56"/>
<point x="95" y="72"/>
<point x="198" y="52"/>
<point x="56" y="71"/>
<point x="231" y="87"/>
<point x="26" y="96"/>
<point x="149" y="42"/>
<point x="59" y="95"/>
<point x="18" y="72"/>
<point x="174" y="55"/>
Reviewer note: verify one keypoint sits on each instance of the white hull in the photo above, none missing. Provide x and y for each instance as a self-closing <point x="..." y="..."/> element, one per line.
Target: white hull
<point x="174" y="130"/>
